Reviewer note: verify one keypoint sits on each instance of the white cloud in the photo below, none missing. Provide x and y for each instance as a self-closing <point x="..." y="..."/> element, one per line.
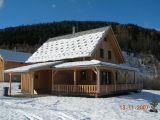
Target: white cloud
<point x="53" y="5"/>
<point x="1" y="3"/>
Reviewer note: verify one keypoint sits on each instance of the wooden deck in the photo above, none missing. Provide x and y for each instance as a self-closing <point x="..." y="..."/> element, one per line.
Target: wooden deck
<point x="93" y="89"/>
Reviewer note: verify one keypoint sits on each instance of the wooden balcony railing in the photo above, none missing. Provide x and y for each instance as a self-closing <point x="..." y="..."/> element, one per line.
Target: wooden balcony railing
<point x="92" y="89"/>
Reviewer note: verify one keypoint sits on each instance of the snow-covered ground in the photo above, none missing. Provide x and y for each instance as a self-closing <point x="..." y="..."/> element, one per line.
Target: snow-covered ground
<point x="76" y="108"/>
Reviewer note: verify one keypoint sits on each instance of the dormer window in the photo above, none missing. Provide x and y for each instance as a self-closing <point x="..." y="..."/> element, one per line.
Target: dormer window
<point x="109" y="55"/>
<point x="101" y="53"/>
<point x="105" y="39"/>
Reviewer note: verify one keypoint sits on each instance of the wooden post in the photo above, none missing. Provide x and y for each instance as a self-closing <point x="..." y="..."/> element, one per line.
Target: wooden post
<point x="21" y="82"/>
<point x="126" y="79"/>
<point x="75" y="82"/>
<point x="52" y="81"/>
<point x="134" y="78"/>
<point x="114" y="77"/>
<point x="3" y="73"/>
<point x="32" y="83"/>
<point x="10" y="84"/>
<point x="53" y="76"/>
<point x="98" y="82"/>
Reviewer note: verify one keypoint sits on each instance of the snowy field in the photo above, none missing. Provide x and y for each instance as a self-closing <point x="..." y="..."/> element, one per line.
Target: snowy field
<point x="77" y="108"/>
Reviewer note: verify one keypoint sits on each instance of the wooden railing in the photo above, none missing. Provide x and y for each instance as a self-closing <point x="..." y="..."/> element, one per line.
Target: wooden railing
<point x="92" y="89"/>
<point x="75" y="88"/>
<point x="119" y="87"/>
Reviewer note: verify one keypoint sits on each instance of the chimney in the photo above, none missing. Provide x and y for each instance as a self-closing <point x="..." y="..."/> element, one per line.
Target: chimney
<point x="73" y="30"/>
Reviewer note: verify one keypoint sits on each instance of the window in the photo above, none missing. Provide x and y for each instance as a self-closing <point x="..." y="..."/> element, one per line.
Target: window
<point x="105" y="39"/>
<point x="105" y="77"/>
<point x="101" y="53"/>
<point x="116" y="76"/>
<point x="36" y="76"/>
<point x="106" y="55"/>
<point x="94" y="77"/>
<point x="83" y="75"/>
<point x="109" y="78"/>
<point x="109" y="55"/>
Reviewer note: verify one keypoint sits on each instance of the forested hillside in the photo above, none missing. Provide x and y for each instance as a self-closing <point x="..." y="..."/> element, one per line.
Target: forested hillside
<point x="29" y="38"/>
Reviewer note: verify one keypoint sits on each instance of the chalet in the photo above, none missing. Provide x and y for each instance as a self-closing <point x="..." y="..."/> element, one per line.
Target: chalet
<point x="83" y="63"/>
<point x="11" y="59"/>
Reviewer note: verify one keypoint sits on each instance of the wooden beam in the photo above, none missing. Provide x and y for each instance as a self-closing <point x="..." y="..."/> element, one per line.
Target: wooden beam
<point x="53" y="76"/>
<point x="52" y="80"/>
<point x="134" y="78"/>
<point x="55" y="73"/>
<point x="126" y="79"/>
<point x="94" y="70"/>
<point x="114" y="78"/>
<point x="3" y="73"/>
<point x="75" y="76"/>
<point x="10" y="84"/>
<point x="75" y="82"/>
<point x="98" y="81"/>
<point x="72" y="68"/>
<point x="32" y="83"/>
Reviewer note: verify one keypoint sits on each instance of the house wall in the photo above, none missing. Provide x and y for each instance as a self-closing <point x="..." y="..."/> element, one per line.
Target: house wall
<point x="108" y="45"/>
<point x="1" y="69"/>
<point x="43" y="81"/>
<point x="112" y="77"/>
<point x="67" y="77"/>
<point x="11" y="64"/>
<point x="64" y="77"/>
<point x="88" y="81"/>
<point x="125" y="76"/>
<point x="25" y="80"/>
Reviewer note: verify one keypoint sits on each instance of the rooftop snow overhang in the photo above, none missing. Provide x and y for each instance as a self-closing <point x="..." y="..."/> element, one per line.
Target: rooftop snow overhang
<point x="65" y="65"/>
<point x="32" y="67"/>
<point x="92" y="63"/>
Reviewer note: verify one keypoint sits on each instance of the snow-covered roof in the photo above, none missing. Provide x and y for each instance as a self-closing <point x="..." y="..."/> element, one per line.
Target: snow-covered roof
<point x="80" y="44"/>
<point x="31" y="67"/>
<point x="9" y="55"/>
<point x="93" y="63"/>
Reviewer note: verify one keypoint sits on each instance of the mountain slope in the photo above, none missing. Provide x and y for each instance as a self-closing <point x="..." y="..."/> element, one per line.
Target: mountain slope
<point x="131" y="37"/>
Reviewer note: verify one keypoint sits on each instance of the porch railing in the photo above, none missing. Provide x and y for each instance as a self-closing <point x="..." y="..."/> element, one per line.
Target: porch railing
<point x="119" y="87"/>
<point x="92" y="89"/>
<point x="75" y="88"/>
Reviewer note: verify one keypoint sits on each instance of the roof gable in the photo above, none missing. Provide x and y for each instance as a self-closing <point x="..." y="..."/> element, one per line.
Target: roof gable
<point x="117" y="47"/>
<point x="81" y="44"/>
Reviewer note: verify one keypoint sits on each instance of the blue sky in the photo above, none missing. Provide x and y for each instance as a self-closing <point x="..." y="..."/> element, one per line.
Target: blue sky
<point x="145" y="13"/>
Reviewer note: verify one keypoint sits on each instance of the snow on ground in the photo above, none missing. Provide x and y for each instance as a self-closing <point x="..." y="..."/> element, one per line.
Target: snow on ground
<point x="76" y="108"/>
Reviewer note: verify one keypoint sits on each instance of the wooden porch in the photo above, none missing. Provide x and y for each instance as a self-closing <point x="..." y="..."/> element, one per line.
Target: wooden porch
<point x="98" y="81"/>
<point x="92" y="81"/>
